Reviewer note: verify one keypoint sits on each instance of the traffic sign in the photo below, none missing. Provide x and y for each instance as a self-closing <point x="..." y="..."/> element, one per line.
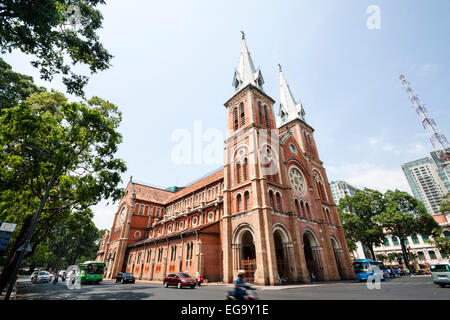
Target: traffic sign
<point x="7" y="227"/>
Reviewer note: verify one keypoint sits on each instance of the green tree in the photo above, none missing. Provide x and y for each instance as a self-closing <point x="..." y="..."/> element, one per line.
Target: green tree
<point x="356" y="214"/>
<point x="47" y="135"/>
<point x="442" y="243"/>
<point x="43" y="29"/>
<point x="445" y="204"/>
<point x="405" y="216"/>
<point x="14" y="87"/>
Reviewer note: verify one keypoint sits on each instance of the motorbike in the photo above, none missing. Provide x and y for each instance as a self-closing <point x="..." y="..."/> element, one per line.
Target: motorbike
<point x="250" y="293"/>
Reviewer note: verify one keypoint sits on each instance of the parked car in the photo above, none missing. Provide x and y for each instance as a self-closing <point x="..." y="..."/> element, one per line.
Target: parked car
<point x="123" y="277"/>
<point x="440" y="273"/>
<point x="180" y="280"/>
<point x="41" y="277"/>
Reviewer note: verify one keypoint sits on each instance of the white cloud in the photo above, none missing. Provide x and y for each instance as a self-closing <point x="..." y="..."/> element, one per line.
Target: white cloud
<point x="373" y="141"/>
<point x="418" y="148"/>
<point x="370" y="176"/>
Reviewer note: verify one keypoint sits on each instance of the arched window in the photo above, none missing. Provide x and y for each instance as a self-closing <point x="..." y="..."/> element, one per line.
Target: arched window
<point x="247" y="200"/>
<point x="173" y="253"/>
<point x="242" y="111"/>
<point x="261" y="120"/>
<point x="235" y="119"/>
<point x="238" y="172"/>
<point x="271" y="199"/>
<point x="189" y="251"/>
<point x="306" y="142"/>
<point x="308" y="212"/>
<point x="149" y="254"/>
<point x="267" y="116"/>
<point x="310" y="144"/>
<point x="239" y="203"/>
<point x="297" y="207"/>
<point x="279" y="202"/>
<point x="245" y="169"/>
<point x="160" y="254"/>
<point x="302" y="206"/>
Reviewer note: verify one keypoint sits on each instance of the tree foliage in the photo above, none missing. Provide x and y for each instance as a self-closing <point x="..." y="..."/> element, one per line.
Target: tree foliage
<point x="405" y="216"/>
<point x="14" y="87"/>
<point x="356" y="214"/>
<point x="43" y="29"/>
<point x="47" y="135"/>
<point x="445" y="204"/>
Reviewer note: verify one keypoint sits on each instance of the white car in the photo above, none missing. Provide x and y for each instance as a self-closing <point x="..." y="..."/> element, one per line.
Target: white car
<point x="41" y="277"/>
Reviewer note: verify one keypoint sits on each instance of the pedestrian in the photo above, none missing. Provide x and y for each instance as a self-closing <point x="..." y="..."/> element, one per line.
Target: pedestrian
<point x="313" y="277"/>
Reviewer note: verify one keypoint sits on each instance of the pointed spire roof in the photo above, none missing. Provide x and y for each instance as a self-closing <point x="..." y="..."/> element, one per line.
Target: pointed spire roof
<point x="289" y="109"/>
<point x="246" y="72"/>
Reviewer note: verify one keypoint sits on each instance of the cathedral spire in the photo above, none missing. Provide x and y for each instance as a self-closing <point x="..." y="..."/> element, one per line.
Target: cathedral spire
<point x="289" y="109"/>
<point x="246" y="72"/>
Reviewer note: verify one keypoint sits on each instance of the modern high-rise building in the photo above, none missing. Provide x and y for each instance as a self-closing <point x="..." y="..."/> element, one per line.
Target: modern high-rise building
<point x="443" y="168"/>
<point x="340" y="189"/>
<point x="426" y="183"/>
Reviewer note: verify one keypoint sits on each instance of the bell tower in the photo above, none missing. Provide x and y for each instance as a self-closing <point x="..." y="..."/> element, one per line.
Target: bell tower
<point x="249" y="150"/>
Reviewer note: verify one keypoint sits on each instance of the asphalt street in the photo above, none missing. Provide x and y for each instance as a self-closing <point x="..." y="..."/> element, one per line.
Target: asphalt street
<point x="405" y="288"/>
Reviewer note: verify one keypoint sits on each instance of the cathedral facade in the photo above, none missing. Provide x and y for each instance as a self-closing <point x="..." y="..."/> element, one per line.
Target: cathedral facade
<point x="268" y="211"/>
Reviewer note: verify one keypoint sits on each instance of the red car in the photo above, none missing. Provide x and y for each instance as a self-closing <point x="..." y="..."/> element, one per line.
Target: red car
<point x="180" y="280"/>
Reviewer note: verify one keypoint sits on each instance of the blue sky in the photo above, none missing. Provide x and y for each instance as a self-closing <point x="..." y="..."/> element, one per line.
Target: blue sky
<point x="174" y="62"/>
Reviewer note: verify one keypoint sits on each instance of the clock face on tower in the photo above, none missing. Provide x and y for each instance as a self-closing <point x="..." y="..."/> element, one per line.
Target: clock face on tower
<point x="122" y="215"/>
<point x="297" y="180"/>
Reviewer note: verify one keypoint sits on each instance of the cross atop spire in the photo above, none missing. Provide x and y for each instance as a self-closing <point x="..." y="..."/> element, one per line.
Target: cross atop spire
<point x="289" y="109"/>
<point x="246" y="72"/>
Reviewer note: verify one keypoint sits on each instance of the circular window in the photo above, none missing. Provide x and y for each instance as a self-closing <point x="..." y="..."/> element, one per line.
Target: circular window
<point x="297" y="180"/>
<point x="159" y="231"/>
<point x="293" y="149"/>
<point x="137" y="234"/>
<point x="181" y="225"/>
<point x="210" y="216"/>
<point x="194" y="221"/>
<point x="122" y="215"/>
<point x="169" y="228"/>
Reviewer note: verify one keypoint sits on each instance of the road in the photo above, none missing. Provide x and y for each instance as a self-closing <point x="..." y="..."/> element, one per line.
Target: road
<point x="405" y="288"/>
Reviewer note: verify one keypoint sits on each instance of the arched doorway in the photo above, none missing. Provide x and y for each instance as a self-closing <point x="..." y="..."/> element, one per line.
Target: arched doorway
<point x="313" y="254"/>
<point x="338" y="254"/>
<point x="248" y="256"/>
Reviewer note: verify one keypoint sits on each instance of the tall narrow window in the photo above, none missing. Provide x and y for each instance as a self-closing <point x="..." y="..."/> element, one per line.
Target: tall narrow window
<point x="239" y="203"/>
<point x="310" y="144"/>
<point x="302" y="207"/>
<point x="242" y="111"/>
<point x="271" y="199"/>
<point x="278" y="202"/>
<point x="247" y="200"/>
<point x="238" y="172"/>
<point x="297" y="208"/>
<point x="245" y="169"/>
<point x="306" y="142"/>
<point x="308" y="212"/>
<point x="267" y="116"/>
<point x="235" y="119"/>
<point x="261" y="120"/>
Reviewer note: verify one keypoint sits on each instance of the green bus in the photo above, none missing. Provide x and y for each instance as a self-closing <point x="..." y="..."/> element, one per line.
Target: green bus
<point x="91" y="271"/>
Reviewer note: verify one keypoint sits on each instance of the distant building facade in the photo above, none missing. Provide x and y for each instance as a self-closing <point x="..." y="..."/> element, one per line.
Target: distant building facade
<point x="426" y="183"/>
<point x="340" y="189"/>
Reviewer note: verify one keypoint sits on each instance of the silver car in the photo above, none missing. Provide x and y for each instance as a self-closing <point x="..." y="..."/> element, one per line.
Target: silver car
<point x="440" y="272"/>
<point x="40" y="277"/>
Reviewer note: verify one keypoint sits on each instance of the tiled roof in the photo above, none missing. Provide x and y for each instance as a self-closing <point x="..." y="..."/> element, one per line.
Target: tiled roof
<point x="154" y="194"/>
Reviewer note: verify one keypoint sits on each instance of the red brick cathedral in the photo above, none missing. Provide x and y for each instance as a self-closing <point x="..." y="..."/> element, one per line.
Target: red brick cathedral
<point x="268" y="211"/>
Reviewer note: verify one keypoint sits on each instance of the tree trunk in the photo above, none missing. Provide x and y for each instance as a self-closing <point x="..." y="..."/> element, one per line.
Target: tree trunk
<point x="405" y="254"/>
<point x="370" y="245"/>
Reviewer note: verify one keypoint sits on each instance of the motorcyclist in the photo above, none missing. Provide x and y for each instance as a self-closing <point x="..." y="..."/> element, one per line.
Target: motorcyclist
<point x="239" y="283"/>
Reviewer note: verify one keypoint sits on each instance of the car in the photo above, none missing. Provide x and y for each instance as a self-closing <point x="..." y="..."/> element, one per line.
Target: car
<point x="124" y="277"/>
<point x="180" y="280"/>
<point x="440" y="273"/>
<point x="41" y="277"/>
